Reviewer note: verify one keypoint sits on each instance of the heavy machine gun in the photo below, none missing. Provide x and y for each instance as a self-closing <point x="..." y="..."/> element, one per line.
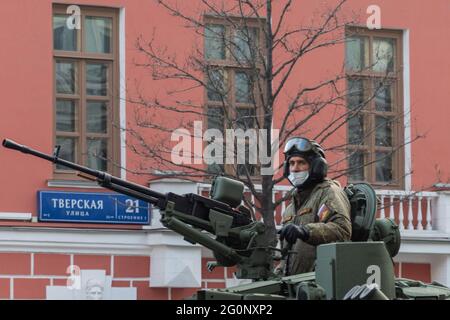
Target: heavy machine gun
<point x="360" y="269"/>
<point x="218" y="223"/>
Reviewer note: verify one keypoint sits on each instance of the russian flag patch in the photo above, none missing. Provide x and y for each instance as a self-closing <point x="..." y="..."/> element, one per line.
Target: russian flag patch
<point x="323" y="212"/>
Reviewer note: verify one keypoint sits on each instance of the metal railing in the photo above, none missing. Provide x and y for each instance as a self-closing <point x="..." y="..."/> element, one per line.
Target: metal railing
<point x="412" y="211"/>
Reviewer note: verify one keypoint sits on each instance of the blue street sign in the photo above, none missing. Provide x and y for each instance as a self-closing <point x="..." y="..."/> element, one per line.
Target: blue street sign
<point x="92" y="208"/>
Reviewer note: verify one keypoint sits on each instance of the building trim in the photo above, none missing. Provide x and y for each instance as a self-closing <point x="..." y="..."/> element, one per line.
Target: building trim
<point x="407" y="109"/>
<point x="83" y="241"/>
<point x="414" y="258"/>
<point x="142" y="242"/>
<point x="73" y="184"/>
<point x="122" y="93"/>
<point x="21" y="216"/>
<point x="429" y="246"/>
<point x="11" y="288"/>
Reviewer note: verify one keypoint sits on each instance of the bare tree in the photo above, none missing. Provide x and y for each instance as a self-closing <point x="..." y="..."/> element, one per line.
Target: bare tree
<point x="262" y="53"/>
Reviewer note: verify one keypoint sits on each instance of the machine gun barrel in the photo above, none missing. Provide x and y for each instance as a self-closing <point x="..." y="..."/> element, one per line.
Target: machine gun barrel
<point x="104" y="179"/>
<point x="195" y="208"/>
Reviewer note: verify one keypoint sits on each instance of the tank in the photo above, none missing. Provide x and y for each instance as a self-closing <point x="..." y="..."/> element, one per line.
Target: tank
<point x="362" y="269"/>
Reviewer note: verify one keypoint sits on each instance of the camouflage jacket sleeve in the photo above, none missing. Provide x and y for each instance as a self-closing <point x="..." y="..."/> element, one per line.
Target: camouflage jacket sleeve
<point x="333" y="218"/>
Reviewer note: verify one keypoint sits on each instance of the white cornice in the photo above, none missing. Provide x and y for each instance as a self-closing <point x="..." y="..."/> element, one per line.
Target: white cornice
<point x="142" y="242"/>
<point x="430" y="245"/>
<point x="19" y="216"/>
<point x="87" y="241"/>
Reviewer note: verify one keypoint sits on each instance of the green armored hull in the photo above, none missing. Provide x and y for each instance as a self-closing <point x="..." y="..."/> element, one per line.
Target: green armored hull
<point x="350" y="271"/>
<point x="287" y="289"/>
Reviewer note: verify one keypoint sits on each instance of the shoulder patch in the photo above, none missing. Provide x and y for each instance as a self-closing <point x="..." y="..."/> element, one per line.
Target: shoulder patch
<point x="324" y="212"/>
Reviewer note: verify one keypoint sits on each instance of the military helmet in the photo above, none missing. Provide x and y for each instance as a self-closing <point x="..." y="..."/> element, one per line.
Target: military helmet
<point x="312" y="152"/>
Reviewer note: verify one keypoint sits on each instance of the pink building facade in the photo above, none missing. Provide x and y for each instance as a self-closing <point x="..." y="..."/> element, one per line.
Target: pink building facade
<point x="149" y="260"/>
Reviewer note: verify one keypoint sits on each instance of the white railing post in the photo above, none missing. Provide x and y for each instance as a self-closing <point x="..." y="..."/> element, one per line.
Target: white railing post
<point x="283" y="205"/>
<point x="273" y="201"/>
<point x="429" y="227"/>
<point x="400" y="214"/>
<point x="440" y="208"/>
<point x="410" y="214"/>
<point x="419" y="214"/>
<point x="391" y="211"/>
<point x="382" y="214"/>
<point x="252" y="197"/>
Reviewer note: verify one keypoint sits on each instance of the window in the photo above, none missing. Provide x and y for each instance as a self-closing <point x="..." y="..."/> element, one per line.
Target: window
<point x="85" y="70"/>
<point x="375" y="111"/>
<point x="232" y="73"/>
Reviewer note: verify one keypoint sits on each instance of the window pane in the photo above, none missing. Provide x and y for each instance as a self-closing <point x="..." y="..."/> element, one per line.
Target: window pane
<point x="356" y="130"/>
<point x="66" y="115"/>
<point x="243" y="88"/>
<point x="245" y="42"/>
<point x="216" y="85"/>
<point x="68" y="150"/>
<point x="97" y="119"/>
<point x="97" y="154"/>
<point x="356" y="166"/>
<point x="98" y="34"/>
<point x="245" y="118"/>
<point x="355" y="98"/>
<point x="383" y="55"/>
<point x="384" y="166"/>
<point x="356" y="53"/>
<point x="215" y="42"/>
<point x="383" y="96"/>
<point x="63" y="37"/>
<point x="215" y="118"/>
<point x="383" y="136"/>
<point x="66" y="77"/>
<point x="96" y="79"/>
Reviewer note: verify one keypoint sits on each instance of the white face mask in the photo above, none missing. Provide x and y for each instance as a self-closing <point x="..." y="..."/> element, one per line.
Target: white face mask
<point x="298" y="178"/>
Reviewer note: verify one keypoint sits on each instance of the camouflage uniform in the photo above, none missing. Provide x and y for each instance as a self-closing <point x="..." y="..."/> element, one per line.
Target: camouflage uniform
<point x="330" y="224"/>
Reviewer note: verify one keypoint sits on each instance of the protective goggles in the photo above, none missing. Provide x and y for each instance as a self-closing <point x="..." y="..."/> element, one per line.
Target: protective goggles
<point x="301" y="144"/>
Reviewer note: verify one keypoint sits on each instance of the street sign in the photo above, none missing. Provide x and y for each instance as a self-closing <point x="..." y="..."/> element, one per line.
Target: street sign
<point x="92" y="208"/>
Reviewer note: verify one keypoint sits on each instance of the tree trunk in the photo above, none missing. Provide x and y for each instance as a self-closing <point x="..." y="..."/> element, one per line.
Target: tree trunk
<point x="267" y="205"/>
<point x="267" y="208"/>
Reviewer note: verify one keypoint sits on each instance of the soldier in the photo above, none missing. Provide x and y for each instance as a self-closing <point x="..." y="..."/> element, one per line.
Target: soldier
<point x="319" y="211"/>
